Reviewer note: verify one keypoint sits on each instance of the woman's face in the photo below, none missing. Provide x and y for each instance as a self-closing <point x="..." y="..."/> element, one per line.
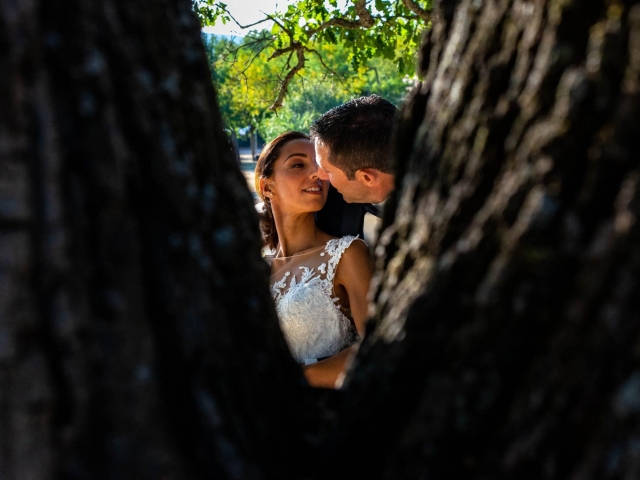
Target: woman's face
<point x="294" y="183"/>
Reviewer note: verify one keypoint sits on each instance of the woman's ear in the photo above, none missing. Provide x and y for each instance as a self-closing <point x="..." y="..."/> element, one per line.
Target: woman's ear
<point x="266" y="187"/>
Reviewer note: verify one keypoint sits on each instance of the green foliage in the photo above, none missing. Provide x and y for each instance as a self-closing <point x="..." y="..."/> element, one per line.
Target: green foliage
<point x="391" y="23"/>
<point x="247" y="80"/>
<point x="210" y="11"/>
<point x="244" y="79"/>
<point x="363" y="29"/>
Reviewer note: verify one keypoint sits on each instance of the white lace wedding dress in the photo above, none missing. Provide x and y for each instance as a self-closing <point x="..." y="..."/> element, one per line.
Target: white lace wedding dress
<point x="313" y="323"/>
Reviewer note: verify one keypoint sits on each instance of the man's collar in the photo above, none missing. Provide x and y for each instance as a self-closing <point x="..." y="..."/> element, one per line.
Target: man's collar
<point x="372" y="209"/>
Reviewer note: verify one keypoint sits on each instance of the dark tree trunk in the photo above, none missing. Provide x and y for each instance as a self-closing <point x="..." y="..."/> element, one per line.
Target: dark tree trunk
<point x="253" y="141"/>
<point x="234" y="143"/>
<point x="505" y="341"/>
<point x="137" y="335"/>
<point x="138" y="338"/>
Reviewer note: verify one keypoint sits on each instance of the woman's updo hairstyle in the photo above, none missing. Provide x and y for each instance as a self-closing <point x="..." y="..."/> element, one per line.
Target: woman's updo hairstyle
<point x="264" y="169"/>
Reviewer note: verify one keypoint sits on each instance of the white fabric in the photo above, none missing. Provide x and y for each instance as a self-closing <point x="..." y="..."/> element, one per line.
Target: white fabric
<point x="310" y="317"/>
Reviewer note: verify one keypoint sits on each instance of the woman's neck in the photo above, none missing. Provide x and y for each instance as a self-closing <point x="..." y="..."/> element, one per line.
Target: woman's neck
<point x="296" y="233"/>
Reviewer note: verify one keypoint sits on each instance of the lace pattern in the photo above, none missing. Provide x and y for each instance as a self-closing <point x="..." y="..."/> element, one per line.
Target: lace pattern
<point x="310" y="316"/>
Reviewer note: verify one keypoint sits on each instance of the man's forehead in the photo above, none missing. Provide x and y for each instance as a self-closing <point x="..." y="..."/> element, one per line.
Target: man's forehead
<point x="322" y="149"/>
<point x="319" y="145"/>
<point x="322" y="152"/>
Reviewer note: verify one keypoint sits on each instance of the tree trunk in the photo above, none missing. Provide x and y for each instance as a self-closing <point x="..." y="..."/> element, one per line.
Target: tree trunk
<point x="138" y="338"/>
<point x="253" y="142"/>
<point x="234" y="143"/>
<point x="505" y="339"/>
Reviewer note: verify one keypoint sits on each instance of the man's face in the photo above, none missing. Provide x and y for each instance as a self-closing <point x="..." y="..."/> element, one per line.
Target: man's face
<point x="351" y="190"/>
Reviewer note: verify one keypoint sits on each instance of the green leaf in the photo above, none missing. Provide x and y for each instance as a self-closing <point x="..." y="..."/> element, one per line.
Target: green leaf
<point x="331" y="37"/>
<point x="355" y="60"/>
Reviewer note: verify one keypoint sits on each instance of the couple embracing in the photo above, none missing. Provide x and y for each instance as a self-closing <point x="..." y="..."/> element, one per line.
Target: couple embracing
<point x="316" y="190"/>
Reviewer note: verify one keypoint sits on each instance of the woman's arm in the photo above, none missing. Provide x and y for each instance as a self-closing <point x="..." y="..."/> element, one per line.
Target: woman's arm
<point x="326" y="373"/>
<point x="353" y="276"/>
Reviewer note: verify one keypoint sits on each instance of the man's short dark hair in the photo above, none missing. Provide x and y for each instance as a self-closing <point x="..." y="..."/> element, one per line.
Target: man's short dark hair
<point x="358" y="134"/>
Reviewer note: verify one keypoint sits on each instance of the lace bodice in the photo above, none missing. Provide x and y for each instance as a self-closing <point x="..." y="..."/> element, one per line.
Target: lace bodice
<point x="310" y="317"/>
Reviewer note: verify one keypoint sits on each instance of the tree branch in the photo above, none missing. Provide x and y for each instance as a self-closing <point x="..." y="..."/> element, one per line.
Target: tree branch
<point x="281" y="51"/>
<point x="282" y="91"/>
<point x="245" y="26"/>
<point x="415" y="8"/>
<point x="285" y="29"/>
<point x="325" y="66"/>
<point x="365" y="20"/>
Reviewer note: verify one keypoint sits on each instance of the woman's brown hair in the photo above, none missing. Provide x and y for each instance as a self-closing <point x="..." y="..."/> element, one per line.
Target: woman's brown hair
<point x="264" y="169"/>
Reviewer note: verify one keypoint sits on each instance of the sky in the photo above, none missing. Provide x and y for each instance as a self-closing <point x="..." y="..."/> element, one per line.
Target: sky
<point x="247" y="12"/>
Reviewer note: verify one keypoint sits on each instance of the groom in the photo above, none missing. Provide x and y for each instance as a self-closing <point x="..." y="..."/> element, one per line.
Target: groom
<point x="353" y="151"/>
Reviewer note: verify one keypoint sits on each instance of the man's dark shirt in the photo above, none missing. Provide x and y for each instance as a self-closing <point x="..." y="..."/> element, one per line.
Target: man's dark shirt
<point x="339" y="218"/>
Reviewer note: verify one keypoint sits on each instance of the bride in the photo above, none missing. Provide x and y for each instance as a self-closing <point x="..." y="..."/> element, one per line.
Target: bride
<point x="319" y="282"/>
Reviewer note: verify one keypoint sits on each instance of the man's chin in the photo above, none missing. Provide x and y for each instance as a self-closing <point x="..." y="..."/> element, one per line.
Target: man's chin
<point x="346" y="198"/>
<point x="350" y="199"/>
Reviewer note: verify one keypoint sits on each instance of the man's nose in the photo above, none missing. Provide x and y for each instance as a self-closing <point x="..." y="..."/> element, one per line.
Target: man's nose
<point x="322" y="174"/>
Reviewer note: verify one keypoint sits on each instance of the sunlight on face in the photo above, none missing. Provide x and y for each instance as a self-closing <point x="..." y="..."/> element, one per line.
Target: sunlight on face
<point x="295" y="182"/>
<point x="351" y="190"/>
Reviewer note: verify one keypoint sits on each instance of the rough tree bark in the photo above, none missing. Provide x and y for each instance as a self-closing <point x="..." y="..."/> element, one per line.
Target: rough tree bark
<point x="137" y="335"/>
<point x="505" y="334"/>
<point x="138" y="338"/>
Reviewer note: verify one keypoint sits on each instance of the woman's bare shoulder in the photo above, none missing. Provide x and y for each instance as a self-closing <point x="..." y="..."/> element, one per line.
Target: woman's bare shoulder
<point x="358" y="247"/>
<point x="356" y="259"/>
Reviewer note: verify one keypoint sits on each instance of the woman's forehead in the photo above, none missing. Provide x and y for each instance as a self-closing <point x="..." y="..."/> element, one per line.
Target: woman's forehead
<point x="299" y="146"/>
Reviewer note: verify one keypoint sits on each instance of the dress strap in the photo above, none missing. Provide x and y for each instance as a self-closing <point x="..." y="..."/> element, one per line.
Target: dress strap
<point x="335" y="248"/>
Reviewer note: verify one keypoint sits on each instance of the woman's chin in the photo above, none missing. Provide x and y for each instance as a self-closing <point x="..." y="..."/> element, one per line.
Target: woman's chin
<point x="322" y="203"/>
<point x="312" y="204"/>
<point x="315" y="206"/>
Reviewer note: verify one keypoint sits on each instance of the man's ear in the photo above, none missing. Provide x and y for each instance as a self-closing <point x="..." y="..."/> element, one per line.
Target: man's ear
<point x="369" y="177"/>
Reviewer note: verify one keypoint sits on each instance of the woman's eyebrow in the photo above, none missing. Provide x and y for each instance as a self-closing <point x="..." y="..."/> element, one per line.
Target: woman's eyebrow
<point x="296" y="155"/>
